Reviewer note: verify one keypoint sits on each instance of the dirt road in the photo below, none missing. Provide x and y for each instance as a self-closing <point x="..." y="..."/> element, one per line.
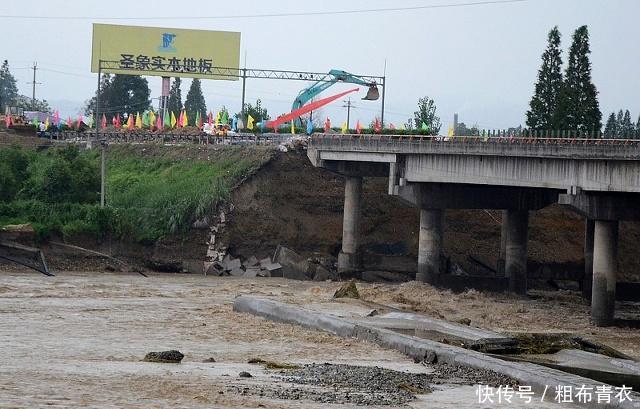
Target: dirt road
<point x="77" y="340"/>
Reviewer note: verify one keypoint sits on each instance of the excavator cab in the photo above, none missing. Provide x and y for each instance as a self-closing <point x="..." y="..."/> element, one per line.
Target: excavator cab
<point x="373" y="94"/>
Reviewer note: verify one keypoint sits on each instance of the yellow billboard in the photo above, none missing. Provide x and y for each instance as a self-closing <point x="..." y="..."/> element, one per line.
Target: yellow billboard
<point x="166" y="52"/>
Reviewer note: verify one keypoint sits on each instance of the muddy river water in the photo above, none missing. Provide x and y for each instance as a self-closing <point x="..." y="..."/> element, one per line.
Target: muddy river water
<point x="77" y="340"/>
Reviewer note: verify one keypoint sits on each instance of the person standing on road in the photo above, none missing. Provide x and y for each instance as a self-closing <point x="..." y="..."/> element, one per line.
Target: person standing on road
<point x="43" y="129"/>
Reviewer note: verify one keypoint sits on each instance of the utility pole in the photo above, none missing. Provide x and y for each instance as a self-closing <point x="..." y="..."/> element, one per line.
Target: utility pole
<point x="33" y="93"/>
<point x="348" y="105"/>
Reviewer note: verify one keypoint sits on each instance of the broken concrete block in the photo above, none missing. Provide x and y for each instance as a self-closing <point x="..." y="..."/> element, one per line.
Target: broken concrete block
<point x="237" y="272"/>
<point x="251" y="272"/>
<point x="230" y="263"/>
<point x="251" y="262"/>
<point x="215" y="269"/>
<point x="294" y="265"/>
<point x="322" y="274"/>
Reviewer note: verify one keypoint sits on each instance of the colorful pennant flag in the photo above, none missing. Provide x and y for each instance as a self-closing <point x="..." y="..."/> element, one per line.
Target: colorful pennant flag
<point x="293" y="128"/>
<point x="225" y="118"/>
<point x="309" y="127"/>
<point x="234" y="124"/>
<point x="402" y="128"/>
<point x="185" y="119"/>
<point x="327" y="125"/>
<point x="46" y="124"/>
<point x="152" y="119"/>
<point x="89" y="121"/>
<point x="344" y="129"/>
<point x="358" y="127"/>
<point x="377" y="127"/>
<point x="198" y="120"/>
<point x="103" y="124"/>
<point x="249" y="122"/>
<point x="173" y="120"/>
<point x="210" y="118"/>
<point x="166" y="120"/>
<point x="138" y="122"/>
<point x="451" y="132"/>
<point x="56" y="118"/>
<point x="159" y="121"/>
<point x="424" y="127"/>
<point x="69" y="122"/>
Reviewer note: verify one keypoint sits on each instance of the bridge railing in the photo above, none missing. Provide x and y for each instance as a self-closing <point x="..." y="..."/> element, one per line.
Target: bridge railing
<point x="615" y="149"/>
<point x="524" y="140"/>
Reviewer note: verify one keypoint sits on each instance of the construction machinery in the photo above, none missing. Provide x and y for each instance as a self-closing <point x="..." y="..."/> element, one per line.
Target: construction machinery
<point x="15" y="119"/>
<point x="333" y="77"/>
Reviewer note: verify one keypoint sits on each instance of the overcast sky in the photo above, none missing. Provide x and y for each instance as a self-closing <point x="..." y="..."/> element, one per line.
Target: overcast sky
<point x="480" y="61"/>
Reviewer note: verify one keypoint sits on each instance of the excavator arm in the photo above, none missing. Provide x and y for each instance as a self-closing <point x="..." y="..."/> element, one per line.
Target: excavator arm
<point x="331" y="78"/>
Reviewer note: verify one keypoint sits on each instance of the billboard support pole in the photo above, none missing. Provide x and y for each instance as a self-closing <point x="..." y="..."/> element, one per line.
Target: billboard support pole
<point x="244" y="87"/>
<point x="98" y="99"/>
<point x="166" y="84"/>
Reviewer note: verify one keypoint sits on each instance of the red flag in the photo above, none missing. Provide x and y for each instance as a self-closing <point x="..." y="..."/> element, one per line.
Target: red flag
<point x="358" y="127"/>
<point x="79" y="122"/>
<point x="159" y="122"/>
<point x="327" y="125"/>
<point x="56" y="118"/>
<point x="376" y="126"/>
<point x="103" y="124"/>
<point x="210" y="118"/>
<point x="113" y="120"/>
<point x="8" y="120"/>
<point x="118" y="124"/>
<point x="69" y="122"/>
<point x="307" y="108"/>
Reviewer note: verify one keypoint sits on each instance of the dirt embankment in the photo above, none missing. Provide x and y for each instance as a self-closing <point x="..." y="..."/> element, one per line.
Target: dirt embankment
<point x="292" y="203"/>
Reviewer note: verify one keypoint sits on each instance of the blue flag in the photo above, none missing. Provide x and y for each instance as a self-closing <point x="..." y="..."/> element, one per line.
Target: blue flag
<point x="309" y="127"/>
<point x="234" y="124"/>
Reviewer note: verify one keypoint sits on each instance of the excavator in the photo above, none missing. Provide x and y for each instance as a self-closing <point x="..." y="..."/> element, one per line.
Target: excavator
<point x="333" y="77"/>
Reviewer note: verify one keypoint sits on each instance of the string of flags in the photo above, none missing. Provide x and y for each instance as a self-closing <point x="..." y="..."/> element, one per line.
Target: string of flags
<point x="169" y="120"/>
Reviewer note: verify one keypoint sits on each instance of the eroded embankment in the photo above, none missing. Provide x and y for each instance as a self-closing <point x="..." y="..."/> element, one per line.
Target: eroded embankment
<point x="290" y="202"/>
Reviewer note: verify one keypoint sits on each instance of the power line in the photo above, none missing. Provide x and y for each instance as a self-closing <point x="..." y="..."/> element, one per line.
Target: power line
<point x="271" y="15"/>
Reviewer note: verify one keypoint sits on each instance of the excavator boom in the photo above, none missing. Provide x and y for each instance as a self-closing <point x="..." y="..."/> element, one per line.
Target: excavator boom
<point x="333" y="77"/>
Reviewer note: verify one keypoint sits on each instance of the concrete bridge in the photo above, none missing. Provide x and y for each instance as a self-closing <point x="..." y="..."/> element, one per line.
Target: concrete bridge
<point x="600" y="179"/>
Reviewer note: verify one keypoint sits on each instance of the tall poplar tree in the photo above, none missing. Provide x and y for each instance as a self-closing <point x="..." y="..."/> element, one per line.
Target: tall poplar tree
<point x="175" y="97"/>
<point x="195" y="101"/>
<point x="611" y="128"/>
<point x="627" y="129"/>
<point x="544" y="103"/>
<point x="578" y="108"/>
<point x="8" y="87"/>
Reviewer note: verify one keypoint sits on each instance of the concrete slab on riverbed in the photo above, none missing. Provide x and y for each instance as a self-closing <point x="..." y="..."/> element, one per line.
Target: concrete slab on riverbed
<point x="538" y="377"/>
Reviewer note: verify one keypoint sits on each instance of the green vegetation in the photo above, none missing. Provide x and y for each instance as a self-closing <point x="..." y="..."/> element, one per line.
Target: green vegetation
<point x="151" y="191"/>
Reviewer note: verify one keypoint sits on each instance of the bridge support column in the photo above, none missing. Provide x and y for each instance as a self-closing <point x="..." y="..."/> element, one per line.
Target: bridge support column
<point x="503" y="245"/>
<point x="349" y="258"/>
<point x="430" y="245"/>
<point x="587" y="281"/>
<point x="605" y="266"/>
<point x="517" y="229"/>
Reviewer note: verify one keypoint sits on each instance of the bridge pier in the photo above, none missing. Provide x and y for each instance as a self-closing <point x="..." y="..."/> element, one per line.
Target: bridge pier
<point x="349" y="258"/>
<point x="503" y="245"/>
<point x="430" y="245"/>
<point x="605" y="266"/>
<point x="517" y="229"/>
<point x="587" y="281"/>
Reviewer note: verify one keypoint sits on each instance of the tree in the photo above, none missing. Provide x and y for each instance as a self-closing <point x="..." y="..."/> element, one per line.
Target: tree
<point x="427" y="113"/>
<point x="175" y="97"/>
<point x="578" y="108"/>
<point x="8" y="87"/>
<point x="626" y="127"/>
<point x="121" y="94"/>
<point x="195" y="101"/>
<point x="543" y="111"/>
<point x="257" y="112"/>
<point x="463" y="130"/>
<point x="28" y="104"/>
<point x="611" y="128"/>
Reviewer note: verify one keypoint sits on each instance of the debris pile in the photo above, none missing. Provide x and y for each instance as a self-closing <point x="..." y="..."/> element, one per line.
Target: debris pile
<point x="284" y="263"/>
